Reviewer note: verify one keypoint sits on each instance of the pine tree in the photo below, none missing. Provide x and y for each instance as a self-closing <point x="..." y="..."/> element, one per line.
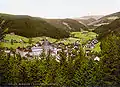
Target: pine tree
<point x="3" y="30"/>
<point x="3" y="58"/>
<point x="111" y="60"/>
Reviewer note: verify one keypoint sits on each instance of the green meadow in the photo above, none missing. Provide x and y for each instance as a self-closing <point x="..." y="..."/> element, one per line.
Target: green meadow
<point x="82" y="37"/>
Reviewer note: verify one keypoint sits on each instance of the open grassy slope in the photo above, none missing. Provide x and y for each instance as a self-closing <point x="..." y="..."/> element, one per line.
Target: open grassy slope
<point x="84" y="37"/>
<point x="15" y="37"/>
<point x="10" y="37"/>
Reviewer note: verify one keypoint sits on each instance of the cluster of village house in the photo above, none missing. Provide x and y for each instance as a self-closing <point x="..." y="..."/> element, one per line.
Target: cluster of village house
<point x="53" y="49"/>
<point x="91" y="44"/>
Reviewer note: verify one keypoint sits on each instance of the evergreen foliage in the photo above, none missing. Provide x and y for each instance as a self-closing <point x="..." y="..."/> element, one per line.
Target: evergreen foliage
<point x="75" y="71"/>
<point x="111" y="59"/>
<point x="32" y="26"/>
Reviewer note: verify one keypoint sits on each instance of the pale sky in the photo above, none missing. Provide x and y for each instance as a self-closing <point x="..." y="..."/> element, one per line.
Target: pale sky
<point x="59" y="8"/>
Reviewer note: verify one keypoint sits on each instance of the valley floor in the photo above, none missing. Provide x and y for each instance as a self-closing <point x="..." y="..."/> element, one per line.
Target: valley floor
<point x="14" y="41"/>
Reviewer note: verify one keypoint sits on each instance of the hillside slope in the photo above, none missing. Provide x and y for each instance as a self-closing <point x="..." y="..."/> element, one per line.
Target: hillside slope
<point x="67" y="24"/>
<point x="96" y="17"/>
<point x="106" y="19"/>
<point x="32" y="26"/>
<point x="113" y="27"/>
<point x="86" y="21"/>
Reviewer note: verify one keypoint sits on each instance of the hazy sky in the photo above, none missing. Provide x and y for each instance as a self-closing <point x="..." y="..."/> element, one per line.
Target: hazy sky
<point x="59" y="8"/>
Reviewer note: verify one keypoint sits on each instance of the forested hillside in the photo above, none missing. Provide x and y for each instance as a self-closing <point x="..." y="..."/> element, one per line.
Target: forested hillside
<point x="67" y="24"/>
<point x="104" y="30"/>
<point x="32" y="26"/>
<point x="106" y="19"/>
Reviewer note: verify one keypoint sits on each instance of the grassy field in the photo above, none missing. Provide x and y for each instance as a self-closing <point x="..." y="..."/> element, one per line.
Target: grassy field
<point x="37" y="39"/>
<point x="15" y="45"/>
<point x="68" y="40"/>
<point x="80" y="36"/>
<point x="15" y="37"/>
<point x="97" y="48"/>
<point x="83" y="37"/>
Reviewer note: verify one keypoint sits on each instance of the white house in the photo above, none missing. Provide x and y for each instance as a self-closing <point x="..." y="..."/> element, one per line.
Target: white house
<point x="97" y="58"/>
<point x="36" y="51"/>
<point x="7" y="51"/>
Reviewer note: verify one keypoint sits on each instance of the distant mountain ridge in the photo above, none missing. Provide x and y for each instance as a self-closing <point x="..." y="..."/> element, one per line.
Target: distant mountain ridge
<point x="86" y="20"/>
<point x="106" y="19"/>
<point x="96" y="17"/>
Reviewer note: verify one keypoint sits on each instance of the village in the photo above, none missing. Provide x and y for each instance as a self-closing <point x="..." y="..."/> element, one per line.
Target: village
<point x="53" y="49"/>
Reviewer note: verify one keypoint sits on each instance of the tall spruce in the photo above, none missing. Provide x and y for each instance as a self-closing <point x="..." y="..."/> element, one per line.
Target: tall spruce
<point x="110" y="64"/>
<point x="3" y="28"/>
